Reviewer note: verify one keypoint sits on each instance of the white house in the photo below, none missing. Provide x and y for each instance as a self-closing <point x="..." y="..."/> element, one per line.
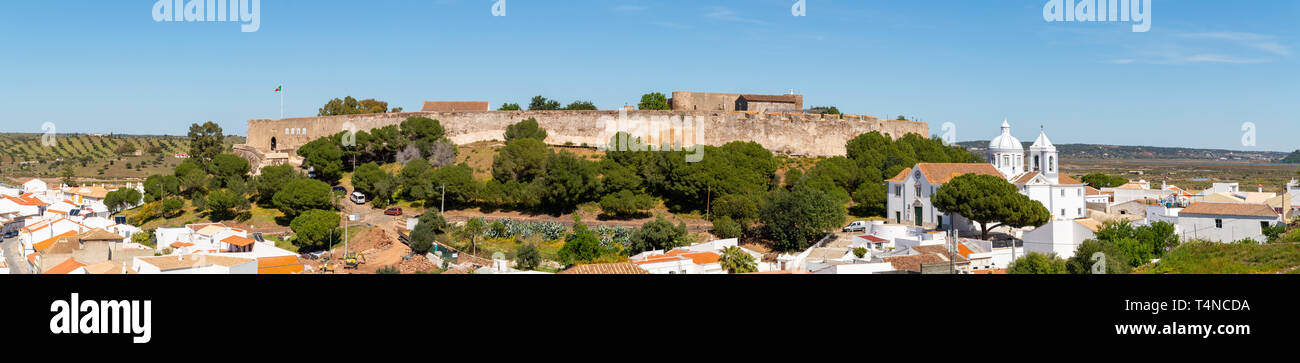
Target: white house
<point x="1293" y="188"/>
<point x="35" y="186"/>
<point x="908" y="193"/>
<point x="1225" y="222"/>
<point x="680" y="262"/>
<point x="1060" y="237"/>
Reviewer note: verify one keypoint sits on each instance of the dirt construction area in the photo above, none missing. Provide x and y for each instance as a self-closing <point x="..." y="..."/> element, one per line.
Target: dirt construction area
<point x="375" y="248"/>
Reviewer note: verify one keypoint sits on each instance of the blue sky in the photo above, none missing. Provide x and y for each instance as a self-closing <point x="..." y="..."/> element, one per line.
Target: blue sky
<point x="1203" y="69"/>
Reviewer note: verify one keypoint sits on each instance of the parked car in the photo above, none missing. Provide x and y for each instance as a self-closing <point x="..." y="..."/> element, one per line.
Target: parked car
<point x="394" y="211"/>
<point x="340" y="189"/>
<point x="358" y="198"/>
<point x="856" y="226"/>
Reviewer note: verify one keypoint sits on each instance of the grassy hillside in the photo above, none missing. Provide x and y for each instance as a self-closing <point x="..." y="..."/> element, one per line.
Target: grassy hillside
<point x="1229" y="258"/>
<point x="93" y="157"/>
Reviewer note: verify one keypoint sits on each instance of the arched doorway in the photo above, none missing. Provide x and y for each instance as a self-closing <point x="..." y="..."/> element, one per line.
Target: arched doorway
<point x="272" y="143"/>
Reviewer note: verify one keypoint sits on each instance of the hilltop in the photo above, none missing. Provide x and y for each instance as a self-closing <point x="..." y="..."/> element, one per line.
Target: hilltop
<point x="101" y="157"/>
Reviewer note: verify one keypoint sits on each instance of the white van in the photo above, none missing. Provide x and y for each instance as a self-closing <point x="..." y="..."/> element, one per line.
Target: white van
<point x="358" y="198"/>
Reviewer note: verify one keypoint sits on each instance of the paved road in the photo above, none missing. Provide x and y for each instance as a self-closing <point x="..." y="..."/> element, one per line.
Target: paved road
<point x="14" y="256"/>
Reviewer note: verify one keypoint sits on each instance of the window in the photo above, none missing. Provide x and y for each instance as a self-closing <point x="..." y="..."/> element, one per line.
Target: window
<point x="1062" y="192"/>
<point x="1080" y="211"/>
<point x="898" y="190"/>
<point x="1218" y="223"/>
<point x="918" y="190"/>
<point x="1263" y="225"/>
<point x="1080" y="192"/>
<point x="1051" y="164"/>
<point x="1062" y="212"/>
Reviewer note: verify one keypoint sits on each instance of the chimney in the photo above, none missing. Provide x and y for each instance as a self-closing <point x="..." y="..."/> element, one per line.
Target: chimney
<point x="1261" y="188"/>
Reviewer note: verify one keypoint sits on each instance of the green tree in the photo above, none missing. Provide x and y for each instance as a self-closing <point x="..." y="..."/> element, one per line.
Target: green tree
<point x="325" y="157"/>
<point x="724" y="227"/>
<point x="471" y="230"/>
<point x="206" y="141"/>
<point x="659" y="234"/>
<point x="795" y="218"/>
<point x="740" y="208"/>
<point x="224" y="205"/>
<point x="527" y="257"/>
<point x="1038" y="263"/>
<point x="368" y="179"/>
<point x="736" y="261"/>
<point x="416" y="182"/>
<point x="521" y="160"/>
<point x="509" y="107"/>
<point x="69" y="174"/>
<point x="316" y="229"/>
<point x="302" y="195"/>
<point x="122" y="198"/>
<point x="229" y="165"/>
<point x="626" y="203"/>
<point x="157" y="187"/>
<point x="990" y="201"/>
<point x="826" y="110"/>
<point x="568" y="181"/>
<point x="171" y="207"/>
<point x="654" y="101"/>
<point x="1116" y="262"/>
<point x="581" y="106"/>
<point x="540" y="103"/>
<point x="461" y="187"/>
<point x="1099" y="180"/>
<point x="583" y="246"/>
<point x="351" y="106"/>
<point x="271" y="180"/>
<point x="525" y="129"/>
<point x="426" y="231"/>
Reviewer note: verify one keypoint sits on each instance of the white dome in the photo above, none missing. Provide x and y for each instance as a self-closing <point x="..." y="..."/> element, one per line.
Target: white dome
<point x="1006" y="142"/>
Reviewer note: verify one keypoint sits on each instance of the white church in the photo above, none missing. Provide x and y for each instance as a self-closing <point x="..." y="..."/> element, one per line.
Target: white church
<point x="1036" y="175"/>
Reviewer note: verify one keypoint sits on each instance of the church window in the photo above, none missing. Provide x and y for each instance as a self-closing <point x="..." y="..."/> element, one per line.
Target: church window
<point x="1218" y="223"/>
<point x="1051" y="164"/>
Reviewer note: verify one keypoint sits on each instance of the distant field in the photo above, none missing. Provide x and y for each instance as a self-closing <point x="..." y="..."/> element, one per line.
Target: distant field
<point x="1188" y="174"/>
<point x="93" y="157"/>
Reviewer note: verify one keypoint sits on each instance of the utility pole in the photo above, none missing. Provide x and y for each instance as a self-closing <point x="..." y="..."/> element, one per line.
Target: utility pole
<point x="443" y="209"/>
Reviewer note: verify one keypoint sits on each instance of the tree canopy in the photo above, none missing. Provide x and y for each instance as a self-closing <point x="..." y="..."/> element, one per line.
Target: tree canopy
<point x="525" y="129"/>
<point x="654" y="101"/>
<point x="1099" y="180"/>
<point x="350" y="106"/>
<point x="990" y="201"/>
<point x="794" y="219"/>
<point x="316" y="229"/>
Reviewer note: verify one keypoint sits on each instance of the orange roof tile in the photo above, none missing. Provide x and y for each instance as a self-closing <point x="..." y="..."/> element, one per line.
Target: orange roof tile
<point x="238" y="241"/>
<point x="181" y="244"/>
<point x="901" y="176"/>
<point x="622" y="268"/>
<point x="941" y="173"/>
<point x="46" y="243"/>
<point x="64" y="267"/>
<point x="1230" y="209"/>
<point x="281" y="265"/>
<point x="700" y="258"/>
<point x="25" y="199"/>
<point x="32" y="257"/>
<point x="1067" y="180"/>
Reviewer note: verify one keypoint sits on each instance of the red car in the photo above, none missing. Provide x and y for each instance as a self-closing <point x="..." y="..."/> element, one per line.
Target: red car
<point x="394" y="211"/>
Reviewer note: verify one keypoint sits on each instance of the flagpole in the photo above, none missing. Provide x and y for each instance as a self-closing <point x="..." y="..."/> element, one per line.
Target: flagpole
<point x="281" y="102"/>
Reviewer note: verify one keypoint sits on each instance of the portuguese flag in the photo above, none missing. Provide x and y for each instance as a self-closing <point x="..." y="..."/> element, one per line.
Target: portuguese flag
<point x="277" y="88"/>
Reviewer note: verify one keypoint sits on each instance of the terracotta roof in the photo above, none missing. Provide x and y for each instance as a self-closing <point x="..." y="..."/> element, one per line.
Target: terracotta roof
<point x="1091" y="191"/>
<point x="1089" y="223"/>
<point x="64" y="268"/>
<point x="166" y="263"/>
<point x="771" y="98"/>
<point x="1067" y="180"/>
<point x="901" y="176"/>
<point x="1230" y="209"/>
<point x="700" y="258"/>
<point x="872" y="238"/>
<point x="941" y="173"/>
<point x="281" y="265"/>
<point x="991" y="271"/>
<point x="26" y="199"/>
<point x="941" y="251"/>
<point x="100" y="234"/>
<point x="622" y="268"/>
<point x="90" y="192"/>
<point x="32" y="257"/>
<point x="238" y="241"/>
<point x="912" y="262"/>
<point x="107" y="268"/>
<point x="1025" y="178"/>
<point x="42" y="245"/>
<point x="182" y="244"/>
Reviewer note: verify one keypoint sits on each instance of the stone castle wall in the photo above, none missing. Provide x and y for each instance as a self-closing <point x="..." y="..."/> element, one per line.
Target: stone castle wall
<point x="786" y="133"/>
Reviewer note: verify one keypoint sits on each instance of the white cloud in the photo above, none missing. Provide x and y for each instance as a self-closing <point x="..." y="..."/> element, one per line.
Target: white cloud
<point x="727" y="14"/>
